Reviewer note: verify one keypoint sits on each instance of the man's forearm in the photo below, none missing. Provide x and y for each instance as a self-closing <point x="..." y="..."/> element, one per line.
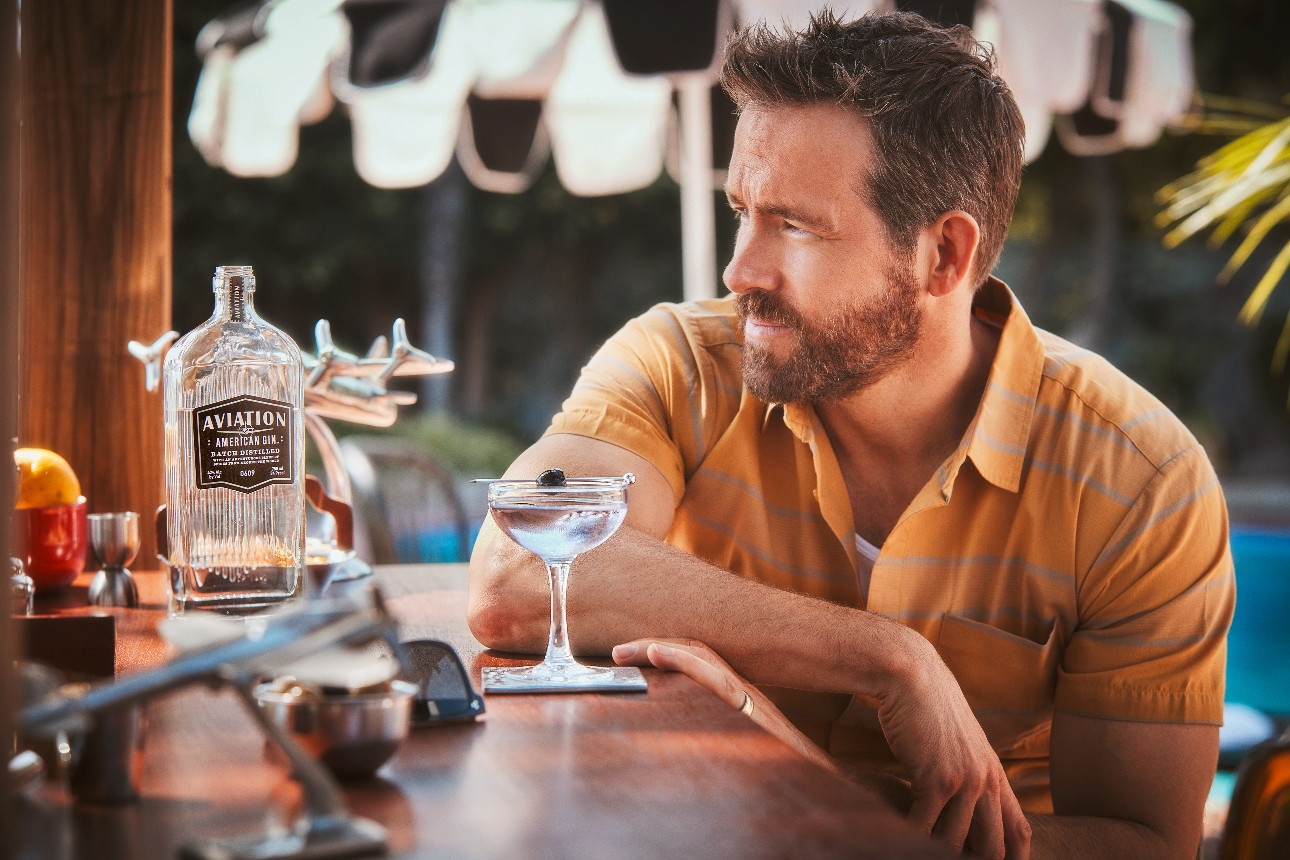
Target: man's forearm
<point x="636" y="586"/>
<point x="1085" y="837"/>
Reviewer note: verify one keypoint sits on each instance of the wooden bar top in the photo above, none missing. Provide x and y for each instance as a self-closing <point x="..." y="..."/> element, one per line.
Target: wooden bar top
<point x="672" y="773"/>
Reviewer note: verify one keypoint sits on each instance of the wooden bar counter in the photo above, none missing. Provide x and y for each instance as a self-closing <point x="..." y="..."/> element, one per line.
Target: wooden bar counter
<point x="672" y="773"/>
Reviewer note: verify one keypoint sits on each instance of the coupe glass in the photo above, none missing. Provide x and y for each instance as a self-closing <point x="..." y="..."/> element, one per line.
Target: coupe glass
<point x="557" y="524"/>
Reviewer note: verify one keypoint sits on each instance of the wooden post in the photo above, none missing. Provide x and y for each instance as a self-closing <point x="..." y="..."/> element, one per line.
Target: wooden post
<point x="9" y="120"/>
<point x="96" y="259"/>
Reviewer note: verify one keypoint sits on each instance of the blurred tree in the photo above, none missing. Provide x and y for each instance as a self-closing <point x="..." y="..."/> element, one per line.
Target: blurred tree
<point x="442" y="212"/>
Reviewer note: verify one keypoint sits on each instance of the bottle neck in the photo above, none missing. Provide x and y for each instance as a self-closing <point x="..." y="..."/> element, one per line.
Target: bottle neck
<point x="235" y="298"/>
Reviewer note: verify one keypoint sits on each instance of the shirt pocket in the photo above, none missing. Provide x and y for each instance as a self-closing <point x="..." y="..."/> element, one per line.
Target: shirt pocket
<point x="1008" y="681"/>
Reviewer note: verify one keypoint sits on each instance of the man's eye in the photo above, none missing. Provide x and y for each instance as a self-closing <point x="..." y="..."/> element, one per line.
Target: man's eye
<point x="797" y="231"/>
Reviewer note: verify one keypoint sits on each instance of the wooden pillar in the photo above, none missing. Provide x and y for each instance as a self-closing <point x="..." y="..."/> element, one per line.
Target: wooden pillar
<point x="9" y="119"/>
<point x="96" y="259"/>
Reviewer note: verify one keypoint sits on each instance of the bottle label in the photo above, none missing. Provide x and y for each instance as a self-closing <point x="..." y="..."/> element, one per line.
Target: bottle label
<point x="244" y="443"/>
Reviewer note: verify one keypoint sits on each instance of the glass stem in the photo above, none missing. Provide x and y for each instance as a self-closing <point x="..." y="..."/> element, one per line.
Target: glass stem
<point x="557" y="647"/>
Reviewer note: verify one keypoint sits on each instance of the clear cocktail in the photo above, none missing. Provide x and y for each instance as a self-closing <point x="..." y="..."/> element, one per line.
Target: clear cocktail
<point x="557" y="522"/>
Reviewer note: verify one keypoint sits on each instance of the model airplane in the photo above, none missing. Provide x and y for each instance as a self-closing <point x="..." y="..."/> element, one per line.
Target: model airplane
<point x="342" y="385"/>
<point x="151" y="356"/>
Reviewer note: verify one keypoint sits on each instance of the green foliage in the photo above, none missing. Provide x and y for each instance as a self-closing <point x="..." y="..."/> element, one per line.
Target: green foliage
<point x="1244" y="185"/>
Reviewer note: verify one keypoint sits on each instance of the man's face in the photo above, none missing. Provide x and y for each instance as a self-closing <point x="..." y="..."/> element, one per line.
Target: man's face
<point x="829" y="305"/>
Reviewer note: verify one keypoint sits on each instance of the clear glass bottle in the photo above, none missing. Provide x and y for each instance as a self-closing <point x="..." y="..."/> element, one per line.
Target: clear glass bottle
<point x="235" y="458"/>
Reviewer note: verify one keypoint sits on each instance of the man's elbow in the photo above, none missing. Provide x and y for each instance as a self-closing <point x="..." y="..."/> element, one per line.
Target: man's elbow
<point x="497" y="620"/>
<point x="503" y="610"/>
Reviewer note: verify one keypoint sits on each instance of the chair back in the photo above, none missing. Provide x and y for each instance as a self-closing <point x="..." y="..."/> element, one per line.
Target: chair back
<point x="406" y="502"/>
<point x="1258" y="820"/>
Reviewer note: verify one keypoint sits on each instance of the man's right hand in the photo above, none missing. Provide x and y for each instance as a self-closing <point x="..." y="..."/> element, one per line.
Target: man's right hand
<point x="961" y="793"/>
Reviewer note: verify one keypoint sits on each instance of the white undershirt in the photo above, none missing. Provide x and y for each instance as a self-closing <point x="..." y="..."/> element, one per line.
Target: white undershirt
<point x="866" y="555"/>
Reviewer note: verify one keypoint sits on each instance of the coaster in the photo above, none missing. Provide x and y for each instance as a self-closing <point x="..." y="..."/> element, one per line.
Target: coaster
<point x="625" y="679"/>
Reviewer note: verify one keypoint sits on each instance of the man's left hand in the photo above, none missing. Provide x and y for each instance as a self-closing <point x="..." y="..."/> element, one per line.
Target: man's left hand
<point x="706" y="668"/>
<point x="702" y="665"/>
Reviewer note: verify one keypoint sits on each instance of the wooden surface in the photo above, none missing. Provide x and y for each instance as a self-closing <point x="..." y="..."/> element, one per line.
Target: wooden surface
<point x="95" y="249"/>
<point x="672" y="773"/>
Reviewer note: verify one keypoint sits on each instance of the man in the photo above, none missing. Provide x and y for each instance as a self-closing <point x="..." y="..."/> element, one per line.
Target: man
<point x="949" y="548"/>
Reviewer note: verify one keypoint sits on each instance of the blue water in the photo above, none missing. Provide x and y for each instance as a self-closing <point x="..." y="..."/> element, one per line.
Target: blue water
<point x="434" y="545"/>
<point x="1258" y="647"/>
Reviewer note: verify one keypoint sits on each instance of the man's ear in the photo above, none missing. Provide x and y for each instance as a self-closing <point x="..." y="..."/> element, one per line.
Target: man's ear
<point x="953" y="239"/>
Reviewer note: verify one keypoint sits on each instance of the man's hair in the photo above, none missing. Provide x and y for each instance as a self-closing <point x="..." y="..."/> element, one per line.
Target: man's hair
<point x="946" y="130"/>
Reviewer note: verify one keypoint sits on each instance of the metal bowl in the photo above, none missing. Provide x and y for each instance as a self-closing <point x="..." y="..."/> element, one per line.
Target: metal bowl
<point x="327" y="563"/>
<point x="353" y="735"/>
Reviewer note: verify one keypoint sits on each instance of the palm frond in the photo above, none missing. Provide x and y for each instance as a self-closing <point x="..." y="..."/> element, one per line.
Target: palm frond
<point x="1258" y="230"/>
<point x="1238" y="215"/>
<point x="1225" y="200"/>
<point x="1243" y="184"/>
<point x="1236" y="105"/>
<point x="1258" y="300"/>
<point x="1282" y="351"/>
<point x="1224" y="125"/>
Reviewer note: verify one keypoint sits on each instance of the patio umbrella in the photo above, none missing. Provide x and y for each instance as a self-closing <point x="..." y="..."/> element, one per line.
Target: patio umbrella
<point x="1141" y="81"/>
<point x="501" y="83"/>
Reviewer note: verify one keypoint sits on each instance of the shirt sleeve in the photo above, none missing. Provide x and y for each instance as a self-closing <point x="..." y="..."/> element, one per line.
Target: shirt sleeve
<point x="624" y="396"/>
<point x="1155" y="606"/>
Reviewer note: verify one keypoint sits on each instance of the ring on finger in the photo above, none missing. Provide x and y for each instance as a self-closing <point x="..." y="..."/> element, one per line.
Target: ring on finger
<point x="747" y="707"/>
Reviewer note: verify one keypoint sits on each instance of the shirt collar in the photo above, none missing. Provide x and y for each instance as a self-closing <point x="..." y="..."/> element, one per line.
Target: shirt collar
<point x="996" y="439"/>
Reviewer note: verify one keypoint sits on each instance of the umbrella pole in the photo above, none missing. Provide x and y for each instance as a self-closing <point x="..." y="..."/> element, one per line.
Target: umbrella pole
<point x="698" y="227"/>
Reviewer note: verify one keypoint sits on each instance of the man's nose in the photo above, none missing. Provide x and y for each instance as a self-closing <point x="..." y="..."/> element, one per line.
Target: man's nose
<point x="753" y="266"/>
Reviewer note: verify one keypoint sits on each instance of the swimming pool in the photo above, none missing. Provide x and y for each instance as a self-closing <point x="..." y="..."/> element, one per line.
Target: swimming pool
<point x="1258" y="647"/>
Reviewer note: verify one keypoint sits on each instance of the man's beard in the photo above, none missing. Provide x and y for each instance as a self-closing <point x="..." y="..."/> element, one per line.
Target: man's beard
<point x="841" y="354"/>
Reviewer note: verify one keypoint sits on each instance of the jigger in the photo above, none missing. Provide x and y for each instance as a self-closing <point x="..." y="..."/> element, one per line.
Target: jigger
<point x="114" y="538"/>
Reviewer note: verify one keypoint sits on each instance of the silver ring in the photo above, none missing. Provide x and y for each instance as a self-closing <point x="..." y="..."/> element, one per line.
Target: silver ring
<point x="747" y="707"/>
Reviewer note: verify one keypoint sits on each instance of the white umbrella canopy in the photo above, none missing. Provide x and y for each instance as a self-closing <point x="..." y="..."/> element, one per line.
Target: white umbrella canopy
<point x="503" y="82"/>
<point x="1141" y="79"/>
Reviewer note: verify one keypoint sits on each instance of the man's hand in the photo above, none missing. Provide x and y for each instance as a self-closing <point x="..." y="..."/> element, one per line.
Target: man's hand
<point x="708" y="670"/>
<point x="960" y="792"/>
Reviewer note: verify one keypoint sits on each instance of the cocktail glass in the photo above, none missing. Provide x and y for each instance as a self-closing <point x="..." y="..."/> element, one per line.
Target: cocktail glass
<point x="557" y="524"/>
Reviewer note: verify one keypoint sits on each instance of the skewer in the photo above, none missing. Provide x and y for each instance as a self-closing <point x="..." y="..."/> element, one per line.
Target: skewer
<point x="629" y="478"/>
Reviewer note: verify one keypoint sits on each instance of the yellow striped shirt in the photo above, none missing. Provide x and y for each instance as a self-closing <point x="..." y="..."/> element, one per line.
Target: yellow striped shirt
<point x="1072" y="553"/>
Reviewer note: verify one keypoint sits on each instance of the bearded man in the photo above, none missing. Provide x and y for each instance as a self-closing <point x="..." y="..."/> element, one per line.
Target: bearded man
<point x="961" y="559"/>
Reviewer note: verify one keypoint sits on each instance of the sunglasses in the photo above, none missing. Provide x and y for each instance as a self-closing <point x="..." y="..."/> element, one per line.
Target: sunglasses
<point x="444" y="694"/>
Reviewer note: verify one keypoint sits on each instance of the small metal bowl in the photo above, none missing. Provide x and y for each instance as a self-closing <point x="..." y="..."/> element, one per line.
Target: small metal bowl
<point x="353" y="735"/>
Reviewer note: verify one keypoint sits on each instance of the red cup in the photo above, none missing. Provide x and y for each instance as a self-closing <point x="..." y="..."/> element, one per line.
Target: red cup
<point x="51" y="542"/>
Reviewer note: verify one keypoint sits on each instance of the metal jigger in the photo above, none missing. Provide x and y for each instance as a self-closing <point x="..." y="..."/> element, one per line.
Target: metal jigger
<point x="24" y="590"/>
<point x="115" y="541"/>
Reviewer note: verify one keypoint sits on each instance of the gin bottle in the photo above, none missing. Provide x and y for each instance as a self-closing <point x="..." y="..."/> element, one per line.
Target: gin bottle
<point x="235" y="458"/>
